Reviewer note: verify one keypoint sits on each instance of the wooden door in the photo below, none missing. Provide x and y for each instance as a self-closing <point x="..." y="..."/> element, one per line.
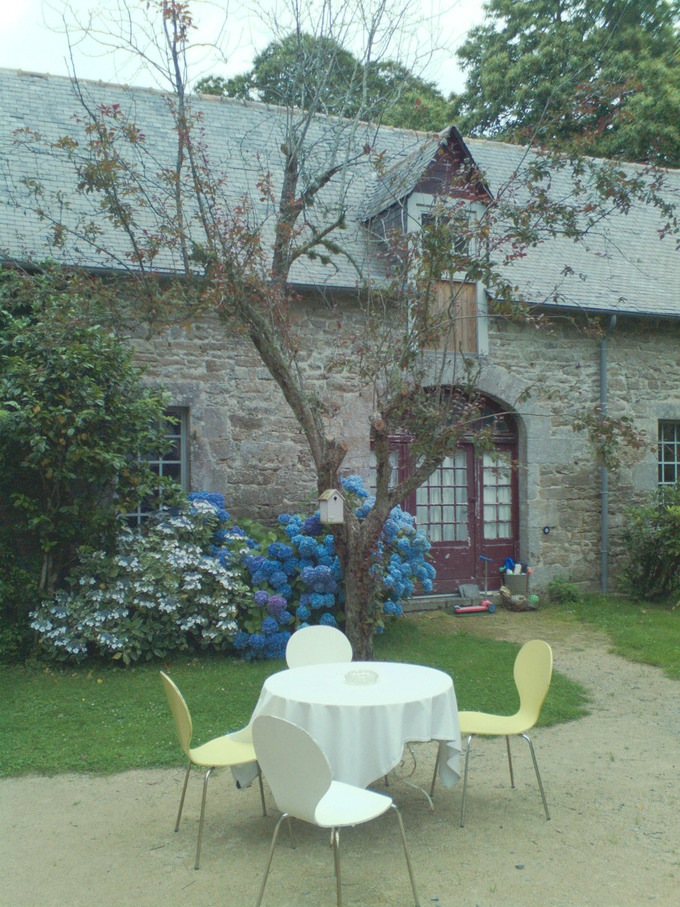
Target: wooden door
<point x="469" y="510"/>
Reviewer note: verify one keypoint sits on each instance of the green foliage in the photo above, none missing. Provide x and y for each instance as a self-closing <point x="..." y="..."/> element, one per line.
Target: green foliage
<point x="303" y="70"/>
<point x="611" y="438"/>
<point x="46" y="709"/>
<point x="603" y="74"/>
<point x="77" y="422"/>
<point x="156" y="595"/>
<point x="562" y="591"/>
<point x="651" y="537"/>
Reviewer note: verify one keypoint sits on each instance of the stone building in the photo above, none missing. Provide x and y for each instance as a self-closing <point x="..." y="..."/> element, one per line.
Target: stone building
<point x="558" y="510"/>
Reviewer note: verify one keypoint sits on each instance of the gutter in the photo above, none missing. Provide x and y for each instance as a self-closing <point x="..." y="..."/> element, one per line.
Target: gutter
<point x="604" y="473"/>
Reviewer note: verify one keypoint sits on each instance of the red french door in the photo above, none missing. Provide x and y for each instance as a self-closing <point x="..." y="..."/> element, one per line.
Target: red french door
<point x="469" y="510"/>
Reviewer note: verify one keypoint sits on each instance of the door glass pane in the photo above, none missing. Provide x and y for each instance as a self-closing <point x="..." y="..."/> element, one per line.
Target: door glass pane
<point x="496" y="497"/>
<point x="441" y="503"/>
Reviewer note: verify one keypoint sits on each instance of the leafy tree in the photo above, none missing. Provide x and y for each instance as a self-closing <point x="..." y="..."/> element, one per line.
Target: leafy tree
<point x="287" y="73"/>
<point x="77" y="422"/>
<point x="602" y="74"/>
<point x="238" y="260"/>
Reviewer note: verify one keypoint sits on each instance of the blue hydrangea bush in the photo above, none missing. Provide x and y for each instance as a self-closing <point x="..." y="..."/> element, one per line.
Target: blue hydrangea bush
<point x="400" y="562"/>
<point x="297" y="578"/>
<point x="197" y="580"/>
<point x="158" y="593"/>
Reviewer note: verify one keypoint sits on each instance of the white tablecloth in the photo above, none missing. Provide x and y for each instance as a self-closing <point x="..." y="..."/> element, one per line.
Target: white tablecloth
<point x="362" y="728"/>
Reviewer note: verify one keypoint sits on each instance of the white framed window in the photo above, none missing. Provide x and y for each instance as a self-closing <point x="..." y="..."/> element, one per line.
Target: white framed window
<point x="669" y="452"/>
<point x="394" y="475"/>
<point x="173" y="463"/>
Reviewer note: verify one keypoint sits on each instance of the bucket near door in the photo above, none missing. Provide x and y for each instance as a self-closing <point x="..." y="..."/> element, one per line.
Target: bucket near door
<point x="517" y="583"/>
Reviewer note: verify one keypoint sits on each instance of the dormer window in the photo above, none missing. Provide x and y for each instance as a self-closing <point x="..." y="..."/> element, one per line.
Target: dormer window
<point x="446" y="237"/>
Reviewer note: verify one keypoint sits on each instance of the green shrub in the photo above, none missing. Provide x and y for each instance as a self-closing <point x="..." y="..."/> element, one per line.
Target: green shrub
<point x="562" y="591"/>
<point x="76" y="421"/>
<point x="651" y="537"/>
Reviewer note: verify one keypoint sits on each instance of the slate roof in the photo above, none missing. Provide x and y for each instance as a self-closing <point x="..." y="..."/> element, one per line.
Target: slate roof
<point x="623" y="267"/>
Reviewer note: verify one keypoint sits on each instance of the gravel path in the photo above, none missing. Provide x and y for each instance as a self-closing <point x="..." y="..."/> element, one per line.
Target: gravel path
<point x="611" y="780"/>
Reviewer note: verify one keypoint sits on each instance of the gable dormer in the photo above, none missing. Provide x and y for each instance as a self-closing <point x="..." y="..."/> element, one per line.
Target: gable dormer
<point x="438" y="193"/>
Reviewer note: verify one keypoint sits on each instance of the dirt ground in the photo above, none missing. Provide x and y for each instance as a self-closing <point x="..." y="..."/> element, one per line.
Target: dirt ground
<point x="611" y="781"/>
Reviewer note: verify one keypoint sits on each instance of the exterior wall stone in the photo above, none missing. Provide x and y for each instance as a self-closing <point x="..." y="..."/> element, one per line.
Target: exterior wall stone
<point x="244" y="439"/>
<point x="246" y="443"/>
<point x="561" y="488"/>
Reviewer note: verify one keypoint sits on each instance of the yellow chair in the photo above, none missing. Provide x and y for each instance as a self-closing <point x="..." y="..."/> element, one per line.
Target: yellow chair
<point x="232" y="749"/>
<point x="532" y="673"/>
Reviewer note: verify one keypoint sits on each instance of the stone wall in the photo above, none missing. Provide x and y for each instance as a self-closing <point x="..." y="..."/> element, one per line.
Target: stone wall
<point x="246" y="444"/>
<point x="244" y="439"/>
<point x="562" y="479"/>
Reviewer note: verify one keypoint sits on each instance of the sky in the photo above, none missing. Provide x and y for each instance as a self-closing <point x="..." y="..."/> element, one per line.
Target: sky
<point x="32" y="38"/>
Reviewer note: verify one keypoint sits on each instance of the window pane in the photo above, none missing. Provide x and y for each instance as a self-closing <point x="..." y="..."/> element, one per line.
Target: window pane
<point x="668" y="452"/>
<point x="170" y="464"/>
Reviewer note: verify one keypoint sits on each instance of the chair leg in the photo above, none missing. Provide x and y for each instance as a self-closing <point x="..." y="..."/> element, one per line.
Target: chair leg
<point x="512" y="777"/>
<point x="271" y="854"/>
<point x="434" y="774"/>
<point x="200" y="824"/>
<point x="465" y="776"/>
<point x="538" y="775"/>
<point x="181" y="799"/>
<point x="259" y="775"/>
<point x="335" y="835"/>
<point x="407" y="855"/>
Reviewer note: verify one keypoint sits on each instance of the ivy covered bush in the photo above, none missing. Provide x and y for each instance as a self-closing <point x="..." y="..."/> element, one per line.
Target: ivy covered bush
<point x="197" y="580"/>
<point x="78" y="425"/>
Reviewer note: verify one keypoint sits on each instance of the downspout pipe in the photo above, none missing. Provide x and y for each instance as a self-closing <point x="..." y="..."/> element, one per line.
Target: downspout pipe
<point x="604" y="474"/>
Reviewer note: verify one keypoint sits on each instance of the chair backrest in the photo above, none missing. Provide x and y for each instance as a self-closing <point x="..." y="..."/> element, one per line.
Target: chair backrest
<point x="180" y="712"/>
<point x="295" y="766"/>
<point x="317" y="645"/>
<point x="533" y="672"/>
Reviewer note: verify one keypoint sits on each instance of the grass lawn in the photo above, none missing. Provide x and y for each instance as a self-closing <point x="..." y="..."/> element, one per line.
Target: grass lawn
<point x="640" y="631"/>
<point x="109" y="719"/>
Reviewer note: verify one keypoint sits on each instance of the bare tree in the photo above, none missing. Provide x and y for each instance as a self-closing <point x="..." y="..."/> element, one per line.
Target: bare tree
<point x="194" y="242"/>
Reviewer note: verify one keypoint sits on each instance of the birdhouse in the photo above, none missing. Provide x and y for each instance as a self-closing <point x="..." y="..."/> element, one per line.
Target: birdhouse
<point x="332" y="506"/>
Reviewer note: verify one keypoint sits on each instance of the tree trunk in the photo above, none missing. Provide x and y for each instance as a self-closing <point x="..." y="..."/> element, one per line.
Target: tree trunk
<point x="362" y="609"/>
<point x="359" y="616"/>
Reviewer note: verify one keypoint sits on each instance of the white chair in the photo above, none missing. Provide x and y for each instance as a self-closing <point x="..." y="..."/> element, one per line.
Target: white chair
<point x="317" y="645"/>
<point x="300" y="779"/>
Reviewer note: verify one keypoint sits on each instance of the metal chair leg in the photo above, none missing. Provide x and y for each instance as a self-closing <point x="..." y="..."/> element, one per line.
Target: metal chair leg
<point x="200" y="823"/>
<point x="181" y="799"/>
<point x="512" y="777"/>
<point x="538" y="775"/>
<point x="335" y="835"/>
<point x="259" y="775"/>
<point x="465" y="777"/>
<point x="271" y="854"/>
<point x="434" y="774"/>
<point x="407" y="855"/>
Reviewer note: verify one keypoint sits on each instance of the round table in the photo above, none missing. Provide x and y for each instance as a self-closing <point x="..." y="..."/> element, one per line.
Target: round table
<point x="362" y="714"/>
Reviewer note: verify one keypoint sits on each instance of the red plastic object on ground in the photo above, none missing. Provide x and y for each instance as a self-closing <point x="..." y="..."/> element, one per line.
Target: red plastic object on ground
<point x="486" y="605"/>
